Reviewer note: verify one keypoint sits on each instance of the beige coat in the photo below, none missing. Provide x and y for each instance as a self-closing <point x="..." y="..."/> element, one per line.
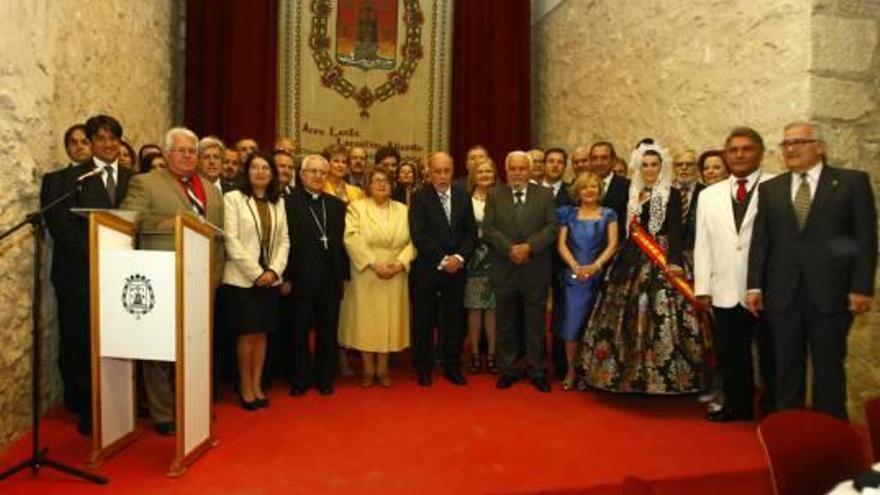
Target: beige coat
<point x="158" y="196"/>
<point x="375" y="312"/>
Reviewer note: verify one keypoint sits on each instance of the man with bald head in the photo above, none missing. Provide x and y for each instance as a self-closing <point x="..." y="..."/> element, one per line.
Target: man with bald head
<point x="443" y="230"/>
<point x="580" y="160"/>
<point x="520" y="229"/>
<point x="615" y="189"/>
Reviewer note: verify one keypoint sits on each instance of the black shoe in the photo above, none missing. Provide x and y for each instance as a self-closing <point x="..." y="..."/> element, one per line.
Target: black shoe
<point x="325" y="389"/>
<point x="84" y="427"/>
<point x="425" y="379"/>
<point x="455" y="377"/>
<point x="298" y="391"/>
<point x="541" y="384"/>
<point x="251" y="405"/>
<point x="506" y="381"/>
<point x="165" y="429"/>
<point x="725" y="415"/>
<point x="262" y="403"/>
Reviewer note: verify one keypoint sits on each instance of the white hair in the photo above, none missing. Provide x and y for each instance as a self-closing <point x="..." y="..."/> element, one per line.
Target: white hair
<point x="521" y="154"/>
<point x="818" y="133"/>
<point x="317" y="159"/>
<point x="209" y="142"/>
<point x="179" y="132"/>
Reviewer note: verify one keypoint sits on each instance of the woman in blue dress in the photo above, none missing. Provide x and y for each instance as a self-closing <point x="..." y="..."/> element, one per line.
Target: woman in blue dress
<point x="587" y="241"/>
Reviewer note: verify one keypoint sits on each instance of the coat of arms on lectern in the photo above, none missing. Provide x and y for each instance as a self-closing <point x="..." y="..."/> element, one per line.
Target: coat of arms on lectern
<point x="138" y="297"/>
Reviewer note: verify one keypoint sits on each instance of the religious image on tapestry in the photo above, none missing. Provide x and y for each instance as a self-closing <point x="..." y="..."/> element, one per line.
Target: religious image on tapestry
<point x="367" y="73"/>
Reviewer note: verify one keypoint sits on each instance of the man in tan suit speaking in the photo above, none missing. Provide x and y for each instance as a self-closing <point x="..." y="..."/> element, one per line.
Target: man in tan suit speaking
<point x="158" y="196"/>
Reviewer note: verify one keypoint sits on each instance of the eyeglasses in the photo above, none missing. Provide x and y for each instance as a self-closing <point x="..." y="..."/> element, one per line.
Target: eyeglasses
<point x="684" y="164"/>
<point x="796" y="143"/>
<point x="314" y="171"/>
<point x="184" y="151"/>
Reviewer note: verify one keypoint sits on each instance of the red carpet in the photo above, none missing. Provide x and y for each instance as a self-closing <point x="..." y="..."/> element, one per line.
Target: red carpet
<point x="444" y="439"/>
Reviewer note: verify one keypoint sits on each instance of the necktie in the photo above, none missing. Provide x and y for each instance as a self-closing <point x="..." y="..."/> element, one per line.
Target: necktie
<point x="802" y="201"/>
<point x="685" y="201"/>
<point x="741" y="191"/>
<point x="518" y="198"/>
<point x="444" y="199"/>
<point x="195" y="203"/>
<point x="111" y="185"/>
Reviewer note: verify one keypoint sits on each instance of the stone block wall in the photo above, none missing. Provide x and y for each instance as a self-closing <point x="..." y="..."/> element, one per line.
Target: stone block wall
<point x="686" y="72"/>
<point x="61" y="61"/>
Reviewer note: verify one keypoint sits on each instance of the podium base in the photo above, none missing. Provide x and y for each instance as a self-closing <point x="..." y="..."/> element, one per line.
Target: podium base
<point x="180" y="464"/>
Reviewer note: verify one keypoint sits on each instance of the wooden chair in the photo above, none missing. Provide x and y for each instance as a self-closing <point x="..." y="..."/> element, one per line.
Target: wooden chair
<point x="809" y="452"/>
<point x="872" y="417"/>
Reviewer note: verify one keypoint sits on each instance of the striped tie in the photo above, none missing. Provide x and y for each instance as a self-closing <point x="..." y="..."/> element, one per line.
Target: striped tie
<point x="111" y="185"/>
<point x="195" y="203"/>
<point x="685" y="201"/>
<point x="802" y="201"/>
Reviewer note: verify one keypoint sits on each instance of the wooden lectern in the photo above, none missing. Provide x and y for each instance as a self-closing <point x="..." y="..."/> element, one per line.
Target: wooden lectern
<point x="150" y="305"/>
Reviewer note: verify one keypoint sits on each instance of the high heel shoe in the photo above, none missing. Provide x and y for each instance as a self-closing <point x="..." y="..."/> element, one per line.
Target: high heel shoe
<point x="367" y="381"/>
<point x="475" y="366"/>
<point x="262" y="403"/>
<point x="384" y="380"/>
<point x="491" y="364"/>
<point x="568" y="384"/>
<point x="249" y="405"/>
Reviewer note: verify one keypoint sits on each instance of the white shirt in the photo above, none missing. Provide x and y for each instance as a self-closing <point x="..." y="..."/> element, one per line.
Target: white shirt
<point x="751" y="180"/>
<point x="218" y="185"/>
<point x="555" y="186"/>
<point x="606" y="182"/>
<point x="524" y="190"/>
<point x="103" y="165"/>
<point x="812" y="179"/>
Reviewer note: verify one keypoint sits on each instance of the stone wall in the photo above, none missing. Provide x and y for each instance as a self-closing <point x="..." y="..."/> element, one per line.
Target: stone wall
<point x="61" y="61"/>
<point x="686" y="72"/>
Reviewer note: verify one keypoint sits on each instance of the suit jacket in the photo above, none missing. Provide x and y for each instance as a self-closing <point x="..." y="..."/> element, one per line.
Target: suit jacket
<point x="721" y="254"/>
<point x="50" y="190"/>
<point x="434" y="237"/>
<point x="835" y="253"/>
<point x="306" y="266"/>
<point x="535" y="224"/>
<point x="71" y="230"/>
<point x="616" y="198"/>
<point x="689" y="223"/>
<point x="158" y="196"/>
<point x="244" y="234"/>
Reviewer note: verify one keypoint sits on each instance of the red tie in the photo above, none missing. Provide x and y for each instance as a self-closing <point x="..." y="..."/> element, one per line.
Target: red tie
<point x="741" y="191"/>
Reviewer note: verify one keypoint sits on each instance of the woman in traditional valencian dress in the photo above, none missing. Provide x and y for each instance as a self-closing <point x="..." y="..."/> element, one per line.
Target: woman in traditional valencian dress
<point x="643" y="335"/>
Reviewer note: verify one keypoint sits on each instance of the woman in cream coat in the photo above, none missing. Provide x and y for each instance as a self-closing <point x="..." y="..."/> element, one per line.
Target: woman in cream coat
<point x="256" y="246"/>
<point x="375" y="309"/>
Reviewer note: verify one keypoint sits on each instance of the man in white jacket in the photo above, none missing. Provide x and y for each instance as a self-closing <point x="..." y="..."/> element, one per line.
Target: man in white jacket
<point x="725" y="216"/>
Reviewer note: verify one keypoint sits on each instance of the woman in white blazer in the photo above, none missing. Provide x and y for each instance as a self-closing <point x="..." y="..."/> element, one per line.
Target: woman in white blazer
<point x="256" y="247"/>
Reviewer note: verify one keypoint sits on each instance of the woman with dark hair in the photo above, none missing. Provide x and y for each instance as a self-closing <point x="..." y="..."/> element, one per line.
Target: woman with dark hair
<point x="374" y="318"/>
<point x="713" y="167"/>
<point x="151" y="161"/>
<point x="126" y="156"/>
<point x="257" y="246"/>
<point x="408" y="182"/>
<point x="643" y="335"/>
<point x="148" y="149"/>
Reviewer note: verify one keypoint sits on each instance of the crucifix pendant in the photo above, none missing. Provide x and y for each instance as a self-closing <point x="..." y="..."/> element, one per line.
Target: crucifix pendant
<point x="324" y="241"/>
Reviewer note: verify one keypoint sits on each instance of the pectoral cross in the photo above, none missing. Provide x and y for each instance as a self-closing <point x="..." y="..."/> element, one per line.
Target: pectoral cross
<point x="324" y="241"/>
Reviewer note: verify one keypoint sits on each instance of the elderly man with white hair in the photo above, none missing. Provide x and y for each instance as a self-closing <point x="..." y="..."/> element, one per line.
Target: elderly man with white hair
<point x="520" y="229"/>
<point x="158" y="196"/>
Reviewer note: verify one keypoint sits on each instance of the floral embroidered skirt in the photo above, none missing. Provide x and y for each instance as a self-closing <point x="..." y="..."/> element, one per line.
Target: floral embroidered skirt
<point x="642" y="336"/>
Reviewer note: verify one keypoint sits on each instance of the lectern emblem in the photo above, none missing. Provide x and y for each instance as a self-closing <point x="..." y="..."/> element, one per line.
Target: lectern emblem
<point x="138" y="297"/>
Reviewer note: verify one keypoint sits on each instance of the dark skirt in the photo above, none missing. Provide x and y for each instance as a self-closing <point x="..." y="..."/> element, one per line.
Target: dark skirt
<point x="252" y="309"/>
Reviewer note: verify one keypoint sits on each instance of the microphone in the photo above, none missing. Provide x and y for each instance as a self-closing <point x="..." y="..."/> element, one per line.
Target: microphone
<point x="97" y="171"/>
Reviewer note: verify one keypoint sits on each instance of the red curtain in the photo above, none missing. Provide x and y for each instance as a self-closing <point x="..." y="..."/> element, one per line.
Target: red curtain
<point x="231" y="69"/>
<point x="491" y="78"/>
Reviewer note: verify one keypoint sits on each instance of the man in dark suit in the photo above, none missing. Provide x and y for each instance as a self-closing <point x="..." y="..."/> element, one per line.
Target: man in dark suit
<point x="314" y="276"/>
<point x="443" y="230"/>
<point x="104" y="189"/>
<point x="615" y="188"/>
<point x="811" y="266"/>
<point x="78" y="148"/>
<point x="520" y="229"/>
<point x="555" y="160"/>
<point x="684" y="165"/>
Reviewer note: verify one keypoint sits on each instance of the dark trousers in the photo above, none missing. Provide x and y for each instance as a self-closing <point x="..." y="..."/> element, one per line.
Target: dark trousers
<point x="318" y="309"/>
<point x="735" y="328"/>
<point x="801" y="328"/>
<point x="66" y="345"/>
<point x="279" y="359"/>
<point x="533" y="303"/>
<point x="225" y="367"/>
<point x="424" y="297"/>
<point x="560" y="363"/>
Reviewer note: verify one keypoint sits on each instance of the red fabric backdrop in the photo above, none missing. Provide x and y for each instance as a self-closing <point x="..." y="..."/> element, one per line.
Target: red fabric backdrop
<point x="491" y="78"/>
<point x="231" y="69"/>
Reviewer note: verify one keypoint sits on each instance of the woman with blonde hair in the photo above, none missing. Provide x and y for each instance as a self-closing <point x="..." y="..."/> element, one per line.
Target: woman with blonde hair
<point x="479" y="297"/>
<point x="586" y="243"/>
<point x="335" y="185"/>
<point x="375" y="308"/>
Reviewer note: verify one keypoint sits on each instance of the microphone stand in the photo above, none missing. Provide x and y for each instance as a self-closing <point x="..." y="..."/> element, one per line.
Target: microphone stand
<point x="39" y="457"/>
